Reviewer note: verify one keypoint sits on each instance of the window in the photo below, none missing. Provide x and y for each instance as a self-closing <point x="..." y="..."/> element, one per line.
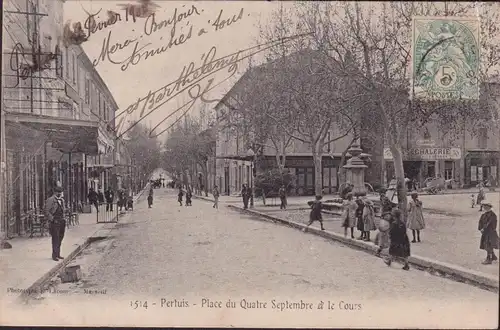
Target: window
<point x="74" y="69"/>
<point x="58" y="62"/>
<point x="87" y="91"/>
<point x="67" y="62"/>
<point x="99" y="104"/>
<point x="482" y="140"/>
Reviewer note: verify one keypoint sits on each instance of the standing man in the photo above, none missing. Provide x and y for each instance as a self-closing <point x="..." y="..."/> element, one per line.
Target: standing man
<point x="54" y="213"/>
<point x="246" y="195"/>
<point x="282" y="193"/>
<point x="489" y="236"/>
<point x="109" y="195"/>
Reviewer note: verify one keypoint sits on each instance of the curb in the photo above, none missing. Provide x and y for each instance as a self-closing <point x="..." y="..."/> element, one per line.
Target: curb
<point x="98" y="234"/>
<point x="456" y="273"/>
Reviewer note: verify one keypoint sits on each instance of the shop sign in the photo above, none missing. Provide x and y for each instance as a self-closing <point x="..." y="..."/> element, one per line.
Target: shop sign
<point x="427" y="153"/>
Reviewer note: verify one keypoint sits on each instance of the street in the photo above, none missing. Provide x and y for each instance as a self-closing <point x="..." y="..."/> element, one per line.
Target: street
<point x="187" y="254"/>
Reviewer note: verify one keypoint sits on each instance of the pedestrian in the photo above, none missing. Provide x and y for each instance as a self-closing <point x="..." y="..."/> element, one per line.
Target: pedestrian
<point x="368" y="218"/>
<point x="481" y="196"/>
<point x="93" y="198"/>
<point x="179" y="196"/>
<point x="109" y="195"/>
<point x="359" y="217"/>
<point x="282" y="194"/>
<point x="399" y="246"/>
<point x="122" y="197"/>
<point x="246" y="196"/>
<point x="150" y="197"/>
<point x="489" y="236"/>
<point x="349" y="214"/>
<point x="382" y="237"/>
<point x="54" y="213"/>
<point x="473" y="200"/>
<point x="216" y="194"/>
<point x="415" y="217"/>
<point x="315" y="214"/>
<point x="189" y="195"/>
<point x="130" y="203"/>
<point x="100" y="196"/>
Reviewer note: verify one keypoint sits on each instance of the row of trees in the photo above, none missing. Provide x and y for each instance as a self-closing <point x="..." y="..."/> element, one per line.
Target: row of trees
<point x="143" y="150"/>
<point x="188" y="148"/>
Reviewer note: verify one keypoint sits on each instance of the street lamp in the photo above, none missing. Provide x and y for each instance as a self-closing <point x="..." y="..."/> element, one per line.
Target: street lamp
<point x="251" y="154"/>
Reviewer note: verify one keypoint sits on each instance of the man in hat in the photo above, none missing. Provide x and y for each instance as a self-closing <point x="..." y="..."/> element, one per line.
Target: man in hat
<point x="489" y="237"/>
<point x="54" y="213"/>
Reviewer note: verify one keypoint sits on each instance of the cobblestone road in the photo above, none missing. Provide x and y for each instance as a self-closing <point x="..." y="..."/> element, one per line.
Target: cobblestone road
<point x="187" y="253"/>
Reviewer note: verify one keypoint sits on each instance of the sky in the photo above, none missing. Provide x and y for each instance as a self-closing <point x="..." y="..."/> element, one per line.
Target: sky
<point x="157" y="71"/>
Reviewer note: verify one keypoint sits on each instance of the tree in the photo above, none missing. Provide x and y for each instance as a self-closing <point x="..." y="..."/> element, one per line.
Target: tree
<point x="144" y="151"/>
<point x="371" y="44"/>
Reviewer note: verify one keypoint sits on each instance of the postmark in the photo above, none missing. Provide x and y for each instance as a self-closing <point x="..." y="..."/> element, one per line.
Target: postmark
<point x="445" y="58"/>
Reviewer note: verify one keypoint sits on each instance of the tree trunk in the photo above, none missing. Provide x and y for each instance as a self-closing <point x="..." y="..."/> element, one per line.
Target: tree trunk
<point x="318" y="177"/>
<point x="397" y="155"/>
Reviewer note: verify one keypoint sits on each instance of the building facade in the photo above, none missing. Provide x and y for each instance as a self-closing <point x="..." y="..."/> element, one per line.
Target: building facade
<point x="237" y="153"/>
<point x="51" y="134"/>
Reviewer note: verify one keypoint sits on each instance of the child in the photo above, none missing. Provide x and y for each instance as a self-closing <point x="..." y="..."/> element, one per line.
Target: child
<point x="179" y="196"/>
<point x="188" y="197"/>
<point x="382" y="237"/>
<point x="473" y="200"/>
<point x="315" y="214"/>
<point x="399" y="247"/>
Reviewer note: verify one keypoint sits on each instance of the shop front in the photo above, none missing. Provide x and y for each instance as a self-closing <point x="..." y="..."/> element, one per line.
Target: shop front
<point x="43" y="151"/>
<point x="482" y="166"/>
<point x="303" y="169"/>
<point x="421" y="163"/>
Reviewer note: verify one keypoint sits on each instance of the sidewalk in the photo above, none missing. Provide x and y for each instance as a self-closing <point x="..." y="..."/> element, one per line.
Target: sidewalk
<point x="450" y="236"/>
<point x="29" y="260"/>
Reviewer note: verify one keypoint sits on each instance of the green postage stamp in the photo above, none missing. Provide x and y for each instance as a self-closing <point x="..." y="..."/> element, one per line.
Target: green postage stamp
<point x="445" y="58"/>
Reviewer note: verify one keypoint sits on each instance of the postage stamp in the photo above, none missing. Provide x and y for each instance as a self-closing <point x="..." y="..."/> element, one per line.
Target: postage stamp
<point x="445" y="58"/>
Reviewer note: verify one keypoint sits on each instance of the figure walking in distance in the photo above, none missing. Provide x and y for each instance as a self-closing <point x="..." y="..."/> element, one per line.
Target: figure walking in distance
<point x="54" y="213"/>
<point x="150" y="197"/>
<point x="93" y="198"/>
<point x="245" y="193"/>
<point x="179" y="196"/>
<point x="189" y="195"/>
<point x="415" y="217"/>
<point x="216" y="194"/>
<point x="489" y="236"/>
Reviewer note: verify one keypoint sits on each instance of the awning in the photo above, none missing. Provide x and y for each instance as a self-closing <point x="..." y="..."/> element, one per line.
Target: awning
<point x="66" y="134"/>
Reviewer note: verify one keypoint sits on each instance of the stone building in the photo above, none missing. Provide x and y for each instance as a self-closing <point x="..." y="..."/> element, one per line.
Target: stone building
<point x="56" y="132"/>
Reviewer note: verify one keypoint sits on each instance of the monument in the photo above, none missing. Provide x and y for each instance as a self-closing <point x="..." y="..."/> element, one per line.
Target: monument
<point x="356" y="171"/>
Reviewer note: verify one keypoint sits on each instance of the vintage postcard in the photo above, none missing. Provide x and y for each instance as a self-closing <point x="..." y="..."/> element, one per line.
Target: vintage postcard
<point x="250" y="164"/>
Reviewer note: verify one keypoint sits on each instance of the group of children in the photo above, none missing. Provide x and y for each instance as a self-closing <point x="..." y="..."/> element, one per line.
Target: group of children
<point x="391" y="227"/>
<point x="189" y="195"/>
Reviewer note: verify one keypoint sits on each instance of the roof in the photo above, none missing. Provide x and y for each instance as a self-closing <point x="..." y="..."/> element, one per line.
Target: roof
<point x="254" y="72"/>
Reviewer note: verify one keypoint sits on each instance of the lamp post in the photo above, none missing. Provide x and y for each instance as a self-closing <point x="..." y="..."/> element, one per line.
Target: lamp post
<point x="251" y="154"/>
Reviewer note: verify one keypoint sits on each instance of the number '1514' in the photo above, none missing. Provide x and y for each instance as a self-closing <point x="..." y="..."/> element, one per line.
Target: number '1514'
<point x="138" y="304"/>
